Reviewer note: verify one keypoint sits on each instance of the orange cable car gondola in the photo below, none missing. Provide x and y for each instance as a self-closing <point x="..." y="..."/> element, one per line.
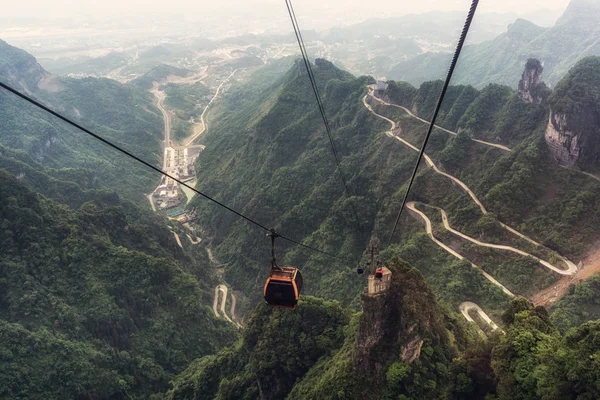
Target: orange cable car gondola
<point x="283" y="285"/>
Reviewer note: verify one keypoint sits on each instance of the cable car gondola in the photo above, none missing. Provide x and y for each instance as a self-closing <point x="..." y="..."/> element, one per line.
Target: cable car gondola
<point x="283" y="285"/>
<point x="379" y="270"/>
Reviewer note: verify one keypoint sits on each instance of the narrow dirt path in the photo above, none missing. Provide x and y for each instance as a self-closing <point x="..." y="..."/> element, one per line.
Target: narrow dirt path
<point x="428" y="229"/>
<point x="496" y="145"/>
<point x="468" y="306"/>
<point x="571" y="267"/>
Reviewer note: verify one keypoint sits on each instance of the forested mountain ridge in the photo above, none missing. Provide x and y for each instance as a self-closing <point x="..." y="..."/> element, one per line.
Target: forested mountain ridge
<point x="402" y="346"/>
<point x="125" y="114"/>
<point x="91" y="278"/>
<point x="399" y="344"/>
<point x="269" y="157"/>
<point x="20" y="68"/>
<point x="96" y="300"/>
<point x="574" y="36"/>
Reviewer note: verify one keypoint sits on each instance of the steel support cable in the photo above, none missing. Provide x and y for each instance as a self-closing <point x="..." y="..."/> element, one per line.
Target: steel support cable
<point x="147" y="164"/>
<point x="457" y="52"/>
<point x="313" y="81"/>
<point x="317" y="94"/>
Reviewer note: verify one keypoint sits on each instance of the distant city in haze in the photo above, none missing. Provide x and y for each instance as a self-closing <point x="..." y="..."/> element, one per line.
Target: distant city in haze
<point x="69" y="30"/>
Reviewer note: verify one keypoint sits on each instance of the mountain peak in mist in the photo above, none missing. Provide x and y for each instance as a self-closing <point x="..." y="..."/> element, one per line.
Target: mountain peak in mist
<point x="586" y="11"/>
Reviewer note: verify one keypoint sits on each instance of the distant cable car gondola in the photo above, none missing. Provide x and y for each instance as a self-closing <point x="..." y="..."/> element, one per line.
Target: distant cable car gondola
<point x="283" y="285"/>
<point x="379" y="270"/>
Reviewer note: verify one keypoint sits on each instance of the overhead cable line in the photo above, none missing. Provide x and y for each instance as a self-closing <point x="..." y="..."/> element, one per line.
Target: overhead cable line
<point x="147" y="164"/>
<point x="315" y="88"/>
<point x="457" y="52"/>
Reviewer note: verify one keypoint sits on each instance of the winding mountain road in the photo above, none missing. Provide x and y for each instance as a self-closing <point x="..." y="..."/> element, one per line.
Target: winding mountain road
<point x="411" y="206"/>
<point x="216" y="302"/>
<point x="177" y="239"/>
<point x="224" y="289"/>
<point x="468" y="306"/>
<point x="223" y="301"/>
<point x="496" y="145"/>
<point x="571" y="267"/>
<point x="571" y="271"/>
<point x="197" y="241"/>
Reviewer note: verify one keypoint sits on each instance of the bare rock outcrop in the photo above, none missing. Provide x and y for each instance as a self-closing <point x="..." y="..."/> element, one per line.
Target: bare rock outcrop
<point x="562" y="143"/>
<point x="573" y="130"/>
<point x="20" y="68"/>
<point x="397" y="324"/>
<point x="531" y="78"/>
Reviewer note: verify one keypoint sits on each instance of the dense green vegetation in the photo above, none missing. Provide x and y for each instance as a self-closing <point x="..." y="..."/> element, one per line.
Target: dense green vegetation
<point x="581" y="304"/>
<point x="403" y="345"/>
<point x="525" y="187"/>
<point x="575" y="100"/>
<point x="268" y="156"/>
<point x="187" y="102"/>
<point x="113" y="304"/>
<point x="125" y="114"/>
<point x="277" y="347"/>
<point x="97" y="300"/>
<point x="371" y="356"/>
<point x="534" y="361"/>
<point x="12" y="60"/>
<point x="115" y="309"/>
<point x="158" y="74"/>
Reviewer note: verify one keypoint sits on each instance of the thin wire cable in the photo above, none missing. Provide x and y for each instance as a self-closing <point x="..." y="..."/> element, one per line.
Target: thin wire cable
<point x="459" y="47"/>
<point x="315" y="88"/>
<point x="136" y="158"/>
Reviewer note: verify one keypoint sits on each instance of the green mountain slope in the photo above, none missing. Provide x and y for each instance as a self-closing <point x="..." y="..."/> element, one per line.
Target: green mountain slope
<point x="574" y="36"/>
<point x="581" y="304"/>
<point x="110" y="303"/>
<point x="124" y="114"/>
<point x="400" y="344"/>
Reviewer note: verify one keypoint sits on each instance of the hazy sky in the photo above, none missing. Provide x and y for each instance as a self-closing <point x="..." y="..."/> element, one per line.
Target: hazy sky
<point x="68" y="8"/>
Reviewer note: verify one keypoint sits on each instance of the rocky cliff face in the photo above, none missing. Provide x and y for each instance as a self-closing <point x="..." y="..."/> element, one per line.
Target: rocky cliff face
<point x="397" y="324"/>
<point x="562" y="142"/>
<point x="532" y="76"/>
<point x="573" y="131"/>
<point x="20" y="68"/>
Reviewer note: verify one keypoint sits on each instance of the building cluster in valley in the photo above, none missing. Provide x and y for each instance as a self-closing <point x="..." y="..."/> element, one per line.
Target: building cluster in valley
<point x="178" y="162"/>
